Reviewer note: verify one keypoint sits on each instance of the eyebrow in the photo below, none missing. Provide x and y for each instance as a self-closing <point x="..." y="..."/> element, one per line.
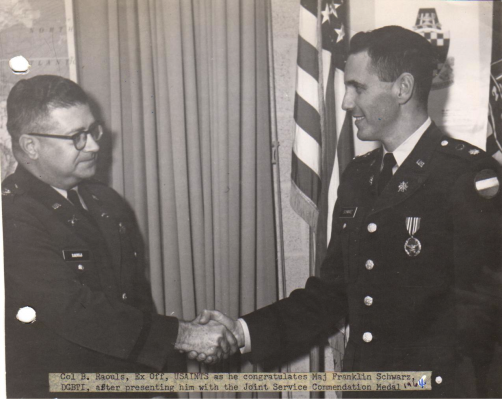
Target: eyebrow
<point x="355" y="84"/>
<point x="96" y="122"/>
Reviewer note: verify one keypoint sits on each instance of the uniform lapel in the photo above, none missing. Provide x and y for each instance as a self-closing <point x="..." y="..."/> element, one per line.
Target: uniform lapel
<point x="412" y="174"/>
<point x="107" y="224"/>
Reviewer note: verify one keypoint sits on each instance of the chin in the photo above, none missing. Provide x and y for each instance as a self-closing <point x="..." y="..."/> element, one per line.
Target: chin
<point x="87" y="173"/>
<point x="364" y="136"/>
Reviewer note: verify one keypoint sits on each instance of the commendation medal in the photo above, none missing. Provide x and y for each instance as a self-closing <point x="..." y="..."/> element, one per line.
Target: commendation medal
<point x="412" y="246"/>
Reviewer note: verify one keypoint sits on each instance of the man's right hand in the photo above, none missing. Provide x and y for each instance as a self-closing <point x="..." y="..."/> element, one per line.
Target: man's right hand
<point x="209" y="341"/>
<point x="232" y="325"/>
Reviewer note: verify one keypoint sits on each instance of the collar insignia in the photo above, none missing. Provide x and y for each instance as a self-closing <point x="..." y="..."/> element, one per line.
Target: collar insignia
<point x="73" y="220"/>
<point x="55" y="206"/>
<point x="403" y="187"/>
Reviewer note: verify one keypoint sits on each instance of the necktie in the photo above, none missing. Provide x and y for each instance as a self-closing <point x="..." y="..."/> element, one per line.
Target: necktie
<point x="386" y="174"/>
<point x="75" y="199"/>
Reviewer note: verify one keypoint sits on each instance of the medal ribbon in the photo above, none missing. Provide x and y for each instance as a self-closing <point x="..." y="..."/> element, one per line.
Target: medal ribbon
<point x="413" y="225"/>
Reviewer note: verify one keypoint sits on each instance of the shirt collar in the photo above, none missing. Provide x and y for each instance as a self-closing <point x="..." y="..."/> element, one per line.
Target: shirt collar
<point x="64" y="192"/>
<point x="409" y="144"/>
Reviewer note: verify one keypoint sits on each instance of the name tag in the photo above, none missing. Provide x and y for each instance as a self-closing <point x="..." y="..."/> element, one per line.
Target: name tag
<point x="348" y="212"/>
<point x="76" y="255"/>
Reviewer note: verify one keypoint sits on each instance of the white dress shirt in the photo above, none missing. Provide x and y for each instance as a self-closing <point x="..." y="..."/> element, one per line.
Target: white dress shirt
<point x="64" y="193"/>
<point x="405" y="148"/>
<point x="400" y="154"/>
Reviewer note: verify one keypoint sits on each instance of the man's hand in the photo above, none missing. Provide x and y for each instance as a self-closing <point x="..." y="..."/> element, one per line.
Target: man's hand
<point x="210" y="342"/>
<point x="232" y="326"/>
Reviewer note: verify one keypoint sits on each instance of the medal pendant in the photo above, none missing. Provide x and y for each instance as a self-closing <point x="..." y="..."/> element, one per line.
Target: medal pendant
<point x="412" y="246"/>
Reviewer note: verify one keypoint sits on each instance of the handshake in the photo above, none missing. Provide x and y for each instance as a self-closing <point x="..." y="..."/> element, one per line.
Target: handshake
<point x="210" y="337"/>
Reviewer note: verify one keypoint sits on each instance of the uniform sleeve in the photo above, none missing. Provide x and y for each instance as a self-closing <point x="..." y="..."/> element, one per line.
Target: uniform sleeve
<point x="36" y="275"/>
<point x="476" y="219"/>
<point x="293" y="325"/>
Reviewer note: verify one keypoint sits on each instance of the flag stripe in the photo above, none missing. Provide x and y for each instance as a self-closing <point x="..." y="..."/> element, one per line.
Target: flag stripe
<point x="307" y="88"/>
<point x="308" y="27"/>
<point x="310" y="6"/>
<point x="308" y="61"/>
<point x="305" y="179"/>
<point x="307" y="150"/>
<point x="307" y="118"/>
<point x="305" y="165"/>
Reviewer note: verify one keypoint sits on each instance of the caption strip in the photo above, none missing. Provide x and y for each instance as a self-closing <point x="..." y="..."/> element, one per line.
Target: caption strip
<point x="239" y="382"/>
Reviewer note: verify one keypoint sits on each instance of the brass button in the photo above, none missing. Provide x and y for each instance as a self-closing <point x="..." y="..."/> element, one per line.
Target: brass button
<point x="368" y="300"/>
<point x="372" y="227"/>
<point x="444" y="143"/>
<point x="124" y="296"/>
<point x="367" y="337"/>
<point x="439" y="380"/>
<point x="80" y="267"/>
<point x="369" y="264"/>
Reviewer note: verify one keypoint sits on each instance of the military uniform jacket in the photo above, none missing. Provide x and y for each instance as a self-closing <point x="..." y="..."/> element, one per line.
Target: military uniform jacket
<point x="406" y="313"/>
<point x="83" y="274"/>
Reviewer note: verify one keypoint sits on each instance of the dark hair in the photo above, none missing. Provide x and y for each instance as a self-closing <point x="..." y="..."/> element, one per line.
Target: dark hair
<point x="394" y="50"/>
<point x="31" y="100"/>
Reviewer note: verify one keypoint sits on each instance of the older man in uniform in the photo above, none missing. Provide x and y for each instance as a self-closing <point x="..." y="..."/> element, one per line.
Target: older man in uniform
<point x="77" y="298"/>
<point x="415" y="241"/>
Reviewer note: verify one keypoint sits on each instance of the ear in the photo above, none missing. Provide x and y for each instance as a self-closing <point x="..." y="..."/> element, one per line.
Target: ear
<point x="403" y="87"/>
<point x="29" y="145"/>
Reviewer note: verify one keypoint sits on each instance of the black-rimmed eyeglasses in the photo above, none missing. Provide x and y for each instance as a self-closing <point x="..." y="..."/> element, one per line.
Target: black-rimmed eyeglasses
<point x="79" y="138"/>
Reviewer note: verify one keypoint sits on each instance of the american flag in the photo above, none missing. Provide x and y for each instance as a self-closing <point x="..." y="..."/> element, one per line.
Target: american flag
<point x="323" y="142"/>
<point x="494" y="140"/>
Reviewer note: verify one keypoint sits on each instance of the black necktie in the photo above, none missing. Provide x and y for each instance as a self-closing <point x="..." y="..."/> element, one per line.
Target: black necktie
<point x="75" y="199"/>
<point x="386" y="174"/>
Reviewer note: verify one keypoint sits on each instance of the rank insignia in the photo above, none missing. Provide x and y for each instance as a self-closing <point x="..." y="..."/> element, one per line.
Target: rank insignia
<point x="95" y="197"/>
<point x="55" y="206"/>
<point x="412" y="246"/>
<point x="403" y="187"/>
<point x="420" y="163"/>
<point x="487" y="183"/>
<point x="6" y="192"/>
<point x="473" y="152"/>
<point x="371" y="179"/>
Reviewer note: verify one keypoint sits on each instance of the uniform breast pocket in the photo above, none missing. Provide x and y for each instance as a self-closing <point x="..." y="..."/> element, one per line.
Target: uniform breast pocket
<point x="81" y="263"/>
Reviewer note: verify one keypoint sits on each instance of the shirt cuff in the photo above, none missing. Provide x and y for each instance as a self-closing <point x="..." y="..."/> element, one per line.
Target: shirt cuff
<point x="247" y="337"/>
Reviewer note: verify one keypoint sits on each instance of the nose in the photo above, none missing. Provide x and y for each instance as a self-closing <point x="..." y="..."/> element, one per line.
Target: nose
<point x="348" y="101"/>
<point x="91" y="146"/>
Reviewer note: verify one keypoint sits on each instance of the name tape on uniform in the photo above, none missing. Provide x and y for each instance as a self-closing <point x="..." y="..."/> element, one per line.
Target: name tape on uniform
<point x="348" y="212"/>
<point x="76" y="255"/>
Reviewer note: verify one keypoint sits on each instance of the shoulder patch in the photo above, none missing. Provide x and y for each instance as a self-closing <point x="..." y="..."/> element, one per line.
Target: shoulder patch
<point x="486" y="183"/>
<point x="460" y="149"/>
